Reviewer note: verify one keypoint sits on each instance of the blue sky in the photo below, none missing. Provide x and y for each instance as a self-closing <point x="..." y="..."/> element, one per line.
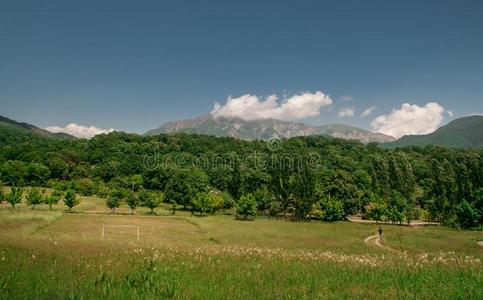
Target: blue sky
<point x="132" y="65"/>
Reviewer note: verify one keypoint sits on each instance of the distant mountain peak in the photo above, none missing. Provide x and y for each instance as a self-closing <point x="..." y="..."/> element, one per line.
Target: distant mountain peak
<point x="264" y="129"/>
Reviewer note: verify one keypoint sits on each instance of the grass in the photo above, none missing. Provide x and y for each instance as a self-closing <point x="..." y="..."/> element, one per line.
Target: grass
<point x="53" y="254"/>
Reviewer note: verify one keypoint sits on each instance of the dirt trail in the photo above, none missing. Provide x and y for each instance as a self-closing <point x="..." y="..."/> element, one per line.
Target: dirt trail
<point x="376" y="239"/>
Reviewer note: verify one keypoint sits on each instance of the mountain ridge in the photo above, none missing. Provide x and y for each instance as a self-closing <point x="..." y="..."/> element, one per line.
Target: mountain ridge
<point x="265" y="129"/>
<point x="465" y="132"/>
<point x="4" y="121"/>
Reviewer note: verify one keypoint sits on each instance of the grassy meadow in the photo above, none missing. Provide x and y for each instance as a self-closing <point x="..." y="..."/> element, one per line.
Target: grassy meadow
<point x="57" y="255"/>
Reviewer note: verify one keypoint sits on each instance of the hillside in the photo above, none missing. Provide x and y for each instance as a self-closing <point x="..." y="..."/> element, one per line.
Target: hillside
<point x="15" y="127"/>
<point x="464" y="132"/>
<point x="265" y="129"/>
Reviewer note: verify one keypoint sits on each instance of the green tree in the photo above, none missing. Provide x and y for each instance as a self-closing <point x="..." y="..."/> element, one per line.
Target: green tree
<point x="263" y="197"/>
<point x="202" y="203"/>
<point x="333" y="210"/>
<point x="113" y="202"/>
<point x="477" y="201"/>
<point x="53" y="198"/>
<point x="185" y="184"/>
<point x="150" y="199"/>
<point x="208" y="202"/>
<point x="396" y="207"/>
<point x="216" y="199"/>
<point x="132" y="200"/>
<point x="15" y="196"/>
<point x="228" y="201"/>
<point x="376" y="209"/>
<point x="86" y="187"/>
<point x="467" y="215"/>
<point x="70" y="199"/>
<point x="246" y="206"/>
<point x="34" y="197"/>
<point x="37" y="174"/>
<point x="14" y="173"/>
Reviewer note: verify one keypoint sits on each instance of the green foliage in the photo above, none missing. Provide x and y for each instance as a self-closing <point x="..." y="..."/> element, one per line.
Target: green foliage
<point x="53" y="198"/>
<point x="201" y="202"/>
<point x="396" y="207"/>
<point x="228" y="201"/>
<point x="467" y="215"/>
<point x="34" y="197"/>
<point x="332" y="209"/>
<point x="113" y="202"/>
<point x="150" y="199"/>
<point x="37" y="174"/>
<point x="132" y="200"/>
<point x="2" y="193"/>
<point x="435" y="179"/>
<point x="376" y="209"/>
<point x="263" y="197"/>
<point x="14" y="173"/>
<point x="208" y="202"/>
<point x="14" y="197"/>
<point x="185" y="184"/>
<point x="246" y="206"/>
<point x="86" y="187"/>
<point x="70" y="199"/>
<point x="102" y="190"/>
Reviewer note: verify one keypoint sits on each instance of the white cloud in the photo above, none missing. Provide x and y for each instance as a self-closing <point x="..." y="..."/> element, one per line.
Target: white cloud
<point x="450" y="113"/>
<point x="410" y="119"/>
<point x="346" y="98"/>
<point x="79" y="130"/>
<point x="252" y="107"/>
<point x="347" y="112"/>
<point x="367" y="111"/>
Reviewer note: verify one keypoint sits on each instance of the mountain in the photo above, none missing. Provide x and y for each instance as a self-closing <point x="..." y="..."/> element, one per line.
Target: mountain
<point x="464" y="132"/>
<point x="20" y="127"/>
<point x="265" y="129"/>
<point x="352" y="133"/>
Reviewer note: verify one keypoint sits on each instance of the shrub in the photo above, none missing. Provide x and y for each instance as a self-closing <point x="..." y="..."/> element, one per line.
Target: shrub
<point x="53" y="198"/>
<point x="316" y="211"/>
<point x="15" y="196"/>
<point x="246" y="206"/>
<point x="333" y="210"/>
<point x="375" y="210"/>
<point x="70" y="199"/>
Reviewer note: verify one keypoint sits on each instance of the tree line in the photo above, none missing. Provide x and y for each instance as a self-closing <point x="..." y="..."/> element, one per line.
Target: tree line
<point x="303" y="178"/>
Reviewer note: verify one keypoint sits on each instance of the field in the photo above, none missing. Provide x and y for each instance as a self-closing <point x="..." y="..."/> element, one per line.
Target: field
<point x="54" y="254"/>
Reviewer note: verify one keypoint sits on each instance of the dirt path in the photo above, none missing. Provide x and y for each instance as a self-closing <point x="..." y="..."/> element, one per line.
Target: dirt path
<point x="376" y="239"/>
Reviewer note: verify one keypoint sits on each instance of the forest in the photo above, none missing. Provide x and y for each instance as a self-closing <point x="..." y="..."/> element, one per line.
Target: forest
<point x="299" y="179"/>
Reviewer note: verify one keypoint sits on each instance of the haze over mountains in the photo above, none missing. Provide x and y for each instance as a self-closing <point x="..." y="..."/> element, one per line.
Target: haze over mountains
<point x="265" y="129"/>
